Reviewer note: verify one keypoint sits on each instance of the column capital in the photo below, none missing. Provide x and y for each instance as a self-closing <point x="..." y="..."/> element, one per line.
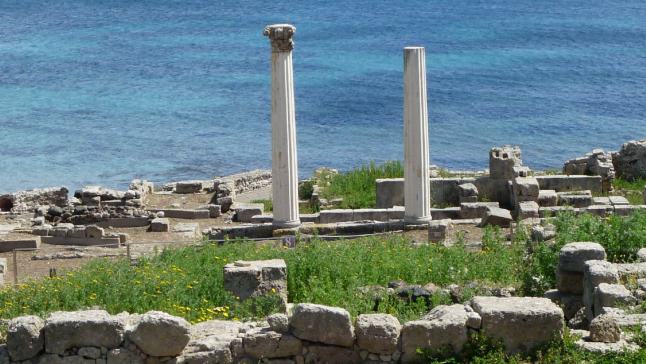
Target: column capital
<point x="280" y="36"/>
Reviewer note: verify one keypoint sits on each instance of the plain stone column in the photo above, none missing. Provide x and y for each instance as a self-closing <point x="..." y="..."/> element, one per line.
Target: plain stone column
<point x="284" y="166"/>
<point x="416" y="152"/>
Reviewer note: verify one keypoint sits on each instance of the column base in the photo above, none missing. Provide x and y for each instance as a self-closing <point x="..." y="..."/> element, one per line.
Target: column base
<point x="414" y="220"/>
<point x="286" y="224"/>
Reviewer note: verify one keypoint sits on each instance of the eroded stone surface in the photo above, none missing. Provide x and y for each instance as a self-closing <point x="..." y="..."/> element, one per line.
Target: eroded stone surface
<point x="323" y="324"/>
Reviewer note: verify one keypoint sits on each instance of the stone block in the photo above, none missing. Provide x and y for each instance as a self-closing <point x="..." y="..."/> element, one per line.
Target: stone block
<point x="185" y="187"/>
<point x="370" y="214"/>
<point x="324" y="354"/>
<point x="596" y="272"/>
<point x="468" y="190"/>
<point x="618" y="200"/>
<point x="25" y="337"/>
<point x="378" y="333"/>
<point x="355" y="228"/>
<point x="186" y="214"/>
<point x="527" y="210"/>
<point x="625" y="210"/>
<point x="572" y="256"/>
<point x="498" y="217"/>
<point x="599" y="210"/>
<point x="439" y="230"/>
<point x="322" y="324"/>
<point x="93" y="231"/>
<point x="244" y="212"/>
<point x="278" y="322"/>
<point x="475" y="210"/>
<point x="525" y="189"/>
<point x="125" y="222"/>
<point x="611" y="295"/>
<point x="160" y="224"/>
<point x="605" y="329"/>
<point x="575" y="199"/>
<point x="452" y="213"/>
<point x="522" y="323"/>
<point x="443" y="328"/>
<point x="390" y="192"/>
<point x="107" y="241"/>
<point x="630" y="161"/>
<point x="601" y="200"/>
<point x="570" y="303"/>
<point x="569" y="282"/>
<point x="264" y="343"/>
<point x="563" y="183"/>
<point x="160" y="334"/>
<point x="247" y="279"/>
<point x="9" y="245"/>
<point x="65" y="330"/>
<point x="337" y="215"/>
<point x="214" y="210"/>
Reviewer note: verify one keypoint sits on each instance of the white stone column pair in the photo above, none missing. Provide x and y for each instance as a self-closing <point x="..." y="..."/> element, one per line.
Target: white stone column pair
<point x="283" y="121"/>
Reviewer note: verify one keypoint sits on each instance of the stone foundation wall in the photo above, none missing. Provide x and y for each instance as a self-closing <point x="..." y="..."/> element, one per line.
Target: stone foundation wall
<point x="309" y="334"/>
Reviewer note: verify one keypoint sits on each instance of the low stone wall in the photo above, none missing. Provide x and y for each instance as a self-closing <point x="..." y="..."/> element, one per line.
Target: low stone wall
<point x="24" y="201"/>
<point x="309" y="334"/>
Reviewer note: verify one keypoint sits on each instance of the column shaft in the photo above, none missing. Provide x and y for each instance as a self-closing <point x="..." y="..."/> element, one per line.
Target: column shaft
<point x="416" y="149"/>
<point x="283" y="129"/>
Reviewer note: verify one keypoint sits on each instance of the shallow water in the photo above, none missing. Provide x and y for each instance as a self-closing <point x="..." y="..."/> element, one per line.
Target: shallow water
<point x="100" y="92"/>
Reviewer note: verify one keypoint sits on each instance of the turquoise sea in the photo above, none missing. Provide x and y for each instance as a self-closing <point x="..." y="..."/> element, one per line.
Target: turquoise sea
<point x="100" y="92"/>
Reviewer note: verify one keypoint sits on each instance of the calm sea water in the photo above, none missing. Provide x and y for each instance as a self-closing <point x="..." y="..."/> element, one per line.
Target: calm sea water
<point x="106" y="91"/>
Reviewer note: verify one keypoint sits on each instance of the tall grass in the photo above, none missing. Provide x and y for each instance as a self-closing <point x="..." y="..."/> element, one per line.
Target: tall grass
<point x="357" y="187"/>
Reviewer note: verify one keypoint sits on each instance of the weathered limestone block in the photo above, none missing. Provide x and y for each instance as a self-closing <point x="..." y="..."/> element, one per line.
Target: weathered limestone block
<point x="502" y="161"/>
<point x="571" y="303"/>
<point x="630" y="161"/>
<point x="245" y="211"/>
<point x="323" y="354"/>
<point x="475" y="210"/>
<point x="211" y="342"/>
<point x="64" y="330"/>
<point x="378" y="333"/>
<point x="444" y="328"/>
<point x="439" y="230"/>
<point x="522" y="323"/>
<point x="265" y="343"/>
<point x="527" y="210"/>
<point x="214" y="210"/>
<point x="323" y="324"/>
<point x="247" y="279"/>
<point x="468" y="192"/>
<point x="525" y="189"/>
<point x="335" y="215"/>
<point x="25" y="338"/>
<point x="596" y="272"/>
<point x="278" y="322"/>
<point x="160" y="334"/>
<point x="572" y="256"/>
<point x="547" y="198"/>
<point x="569" y="282"/>
<point x="605" y="329"/>
<point x="123" y="356"/>
<point x="575" y="199"/>
<point x="25" y="201"/>
<point x="618" y="200"/>
<point x="94" y="232"/>
<point x="185" y="187"/>
<point x="611" y="295"/>
<point x="160" y="225"/>
<point x="498" y="217"/>
<point x="543" y="232"/>
<point x="599" y="210"/>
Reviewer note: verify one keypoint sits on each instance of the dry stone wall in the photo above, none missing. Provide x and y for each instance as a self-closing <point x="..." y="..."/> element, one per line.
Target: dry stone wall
<point x="311" y="333"/>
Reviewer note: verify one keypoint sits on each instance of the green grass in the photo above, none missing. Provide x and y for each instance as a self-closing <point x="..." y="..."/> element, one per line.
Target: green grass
<point x="357" y="187"/>
<point x="188" y="282"/>
<point x="632" y="190"/>
<point x="268" y="205"/>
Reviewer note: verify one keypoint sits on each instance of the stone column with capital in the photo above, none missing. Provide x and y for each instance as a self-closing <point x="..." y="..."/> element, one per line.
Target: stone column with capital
<point x="416" y="150"/>
<point x="284" y="162"/>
